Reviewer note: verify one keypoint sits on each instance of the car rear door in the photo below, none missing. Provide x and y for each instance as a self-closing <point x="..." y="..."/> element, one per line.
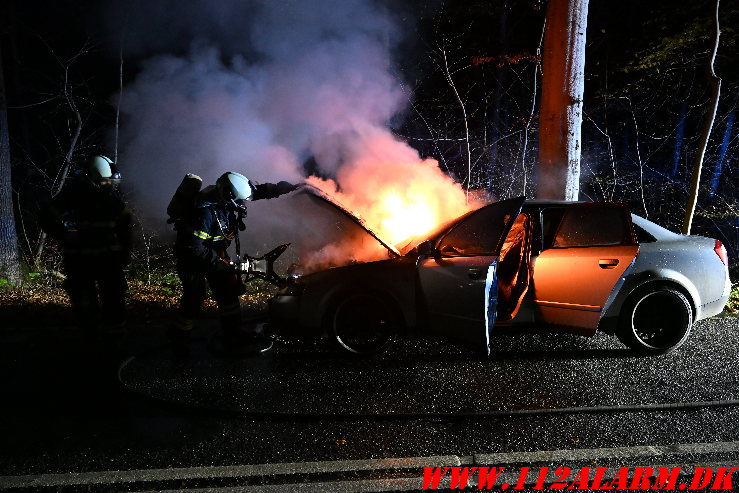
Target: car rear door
<point x="458" y="282"/>
<point x="587" y="248"/>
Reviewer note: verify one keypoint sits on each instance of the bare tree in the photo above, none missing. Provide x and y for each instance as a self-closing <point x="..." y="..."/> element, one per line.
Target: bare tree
<point x="61" y="176"/>
<point x="710" y="118"/>
<point x="9" y="258"/>
<point x="560" y="115"/>
<point x="449" y="79"/>
<point x="118" y="107"/>
<point x="530" y="119"/>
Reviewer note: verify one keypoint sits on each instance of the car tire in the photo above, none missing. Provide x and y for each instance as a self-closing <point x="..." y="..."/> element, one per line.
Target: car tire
<point x="362" y="323"/>
<point x="655" y="320"/>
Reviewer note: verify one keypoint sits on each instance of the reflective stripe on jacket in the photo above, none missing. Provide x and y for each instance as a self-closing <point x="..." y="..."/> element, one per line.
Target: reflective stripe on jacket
<point x="202" y="238"/>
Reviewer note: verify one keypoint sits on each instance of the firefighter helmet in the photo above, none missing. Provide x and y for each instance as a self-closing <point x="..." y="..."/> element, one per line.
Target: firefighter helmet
<point x="234" y="186"/>
<point x="101" y="168"/>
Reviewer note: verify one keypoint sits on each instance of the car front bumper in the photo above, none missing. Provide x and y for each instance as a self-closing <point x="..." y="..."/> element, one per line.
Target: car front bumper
<point x="284" y="310"/>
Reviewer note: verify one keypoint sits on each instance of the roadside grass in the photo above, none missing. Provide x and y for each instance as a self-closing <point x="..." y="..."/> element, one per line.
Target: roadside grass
<point x="732" y="306"/>
<point x="153" y="295"/>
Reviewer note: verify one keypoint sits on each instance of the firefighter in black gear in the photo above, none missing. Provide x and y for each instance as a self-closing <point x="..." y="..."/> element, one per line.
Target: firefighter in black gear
<point x="93" y="226"/>
<point x="203" y="235"/>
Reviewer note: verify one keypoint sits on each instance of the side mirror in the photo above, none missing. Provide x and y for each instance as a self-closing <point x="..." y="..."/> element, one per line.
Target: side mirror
<point x="427" y="249"/>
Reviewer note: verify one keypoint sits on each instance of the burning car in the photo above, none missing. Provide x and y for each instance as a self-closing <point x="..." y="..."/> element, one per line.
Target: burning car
<point x="518" y="265"/>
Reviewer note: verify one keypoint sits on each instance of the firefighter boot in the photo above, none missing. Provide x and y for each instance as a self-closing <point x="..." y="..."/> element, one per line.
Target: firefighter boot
<point x="236" y="340"/>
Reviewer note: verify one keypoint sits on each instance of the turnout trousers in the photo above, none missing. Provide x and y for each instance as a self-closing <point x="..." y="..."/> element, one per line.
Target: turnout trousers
<point x="226" y="288"/>
<point x="97" y="292"/>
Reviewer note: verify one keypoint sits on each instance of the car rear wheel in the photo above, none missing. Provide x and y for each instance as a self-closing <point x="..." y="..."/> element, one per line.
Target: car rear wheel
<point x="655" y="321"/>
<point x="362" y="323"/>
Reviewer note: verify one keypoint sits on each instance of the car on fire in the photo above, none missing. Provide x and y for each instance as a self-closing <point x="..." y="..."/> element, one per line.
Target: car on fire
<point x="519" y="265"/>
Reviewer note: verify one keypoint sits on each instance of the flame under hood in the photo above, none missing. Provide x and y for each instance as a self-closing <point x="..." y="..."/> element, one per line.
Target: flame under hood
<point x="322" y="197"/>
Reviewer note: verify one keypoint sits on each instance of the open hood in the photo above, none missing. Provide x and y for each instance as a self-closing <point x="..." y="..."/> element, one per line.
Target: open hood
<point x="318" y="195"/>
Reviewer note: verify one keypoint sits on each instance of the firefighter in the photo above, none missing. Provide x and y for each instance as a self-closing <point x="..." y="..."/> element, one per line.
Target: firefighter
<point x="92" y="224"/>
<point x="204" y="233"/>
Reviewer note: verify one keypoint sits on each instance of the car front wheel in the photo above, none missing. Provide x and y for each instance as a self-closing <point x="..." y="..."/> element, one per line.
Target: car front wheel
<point x="362" y="323"/>
<point x="655" y="321"/>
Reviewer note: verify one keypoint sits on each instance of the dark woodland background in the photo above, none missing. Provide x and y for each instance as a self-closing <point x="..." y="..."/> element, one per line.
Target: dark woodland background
<point x="646" y="96"/>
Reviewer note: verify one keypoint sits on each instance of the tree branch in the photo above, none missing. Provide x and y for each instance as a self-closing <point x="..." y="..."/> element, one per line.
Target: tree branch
<point x="466" y="125"/>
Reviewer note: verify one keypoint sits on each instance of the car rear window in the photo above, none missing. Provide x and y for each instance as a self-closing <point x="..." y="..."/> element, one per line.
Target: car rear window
<point x="591" y="225"/>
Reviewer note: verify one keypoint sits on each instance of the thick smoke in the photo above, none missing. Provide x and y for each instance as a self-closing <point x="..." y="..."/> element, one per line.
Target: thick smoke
<point x="265" y="86"/>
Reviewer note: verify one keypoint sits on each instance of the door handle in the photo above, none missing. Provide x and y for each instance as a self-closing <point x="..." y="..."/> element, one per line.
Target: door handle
<point x="607" y="263"/>
<point x="475" y="274"/>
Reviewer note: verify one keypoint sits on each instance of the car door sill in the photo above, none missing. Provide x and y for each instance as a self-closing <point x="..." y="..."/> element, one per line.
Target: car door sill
<point x="568" y="306"/>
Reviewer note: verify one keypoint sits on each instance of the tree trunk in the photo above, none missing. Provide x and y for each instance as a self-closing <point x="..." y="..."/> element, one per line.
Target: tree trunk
<point x="9" y="259"/>
<point x="560" y="116"/>
<point x="710" y="118"/>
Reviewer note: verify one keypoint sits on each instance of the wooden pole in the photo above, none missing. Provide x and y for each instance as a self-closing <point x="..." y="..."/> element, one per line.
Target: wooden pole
<point x="715" y="81"/>
<point x="560" y="115"/>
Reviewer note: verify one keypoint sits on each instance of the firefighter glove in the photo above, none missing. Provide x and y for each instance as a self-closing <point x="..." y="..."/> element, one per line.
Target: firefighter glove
<point x="284" y="187"/>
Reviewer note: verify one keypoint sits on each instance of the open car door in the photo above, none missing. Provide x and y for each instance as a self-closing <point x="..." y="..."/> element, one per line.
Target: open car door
<point x="587" y="249"/>
<point x="458" y="278"/>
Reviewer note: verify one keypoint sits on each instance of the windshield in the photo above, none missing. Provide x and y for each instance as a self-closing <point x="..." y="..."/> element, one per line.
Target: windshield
<point x="433" y="235"/>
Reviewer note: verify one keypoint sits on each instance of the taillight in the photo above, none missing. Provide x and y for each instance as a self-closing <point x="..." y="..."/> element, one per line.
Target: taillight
<point x="721" y="252"/>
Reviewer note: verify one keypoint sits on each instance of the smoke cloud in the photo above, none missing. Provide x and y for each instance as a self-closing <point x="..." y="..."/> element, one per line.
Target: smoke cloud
<point x="265" y="86"/>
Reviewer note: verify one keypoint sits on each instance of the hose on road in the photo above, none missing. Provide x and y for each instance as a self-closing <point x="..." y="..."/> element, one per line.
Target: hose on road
<point x="221" y="412"/>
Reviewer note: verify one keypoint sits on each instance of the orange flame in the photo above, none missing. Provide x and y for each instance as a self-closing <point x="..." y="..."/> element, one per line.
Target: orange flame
<point x="397" y="194"/>
<point x="405" y="217"/>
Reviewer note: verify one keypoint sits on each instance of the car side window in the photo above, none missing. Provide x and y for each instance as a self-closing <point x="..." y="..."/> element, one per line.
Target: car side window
<point x="591" y="225"/>
<point x="479" y="234"/>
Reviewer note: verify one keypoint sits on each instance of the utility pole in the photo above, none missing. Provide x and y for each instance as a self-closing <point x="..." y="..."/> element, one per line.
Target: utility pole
<point x="560" y="115"/>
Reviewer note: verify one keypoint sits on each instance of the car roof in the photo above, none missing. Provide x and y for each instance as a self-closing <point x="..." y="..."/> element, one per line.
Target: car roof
<point x="553" y="202"/>
<point x="541" y="203"/>
<point x="654" y="229"/>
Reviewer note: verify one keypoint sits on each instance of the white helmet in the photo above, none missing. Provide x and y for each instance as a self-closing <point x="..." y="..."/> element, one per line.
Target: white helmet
<point x="101" y="168"/>
<point x="234" y="186"/>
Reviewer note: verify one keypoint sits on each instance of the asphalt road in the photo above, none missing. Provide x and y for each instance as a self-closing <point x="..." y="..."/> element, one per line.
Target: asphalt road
<point x="72" y="407"/>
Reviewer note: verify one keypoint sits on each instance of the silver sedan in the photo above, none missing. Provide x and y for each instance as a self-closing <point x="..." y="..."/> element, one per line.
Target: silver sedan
<point x="520" y="265"/>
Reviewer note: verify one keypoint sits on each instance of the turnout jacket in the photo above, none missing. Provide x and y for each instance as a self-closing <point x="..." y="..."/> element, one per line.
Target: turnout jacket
<point x="89" y="221"/>
<point x="204" y="236"/>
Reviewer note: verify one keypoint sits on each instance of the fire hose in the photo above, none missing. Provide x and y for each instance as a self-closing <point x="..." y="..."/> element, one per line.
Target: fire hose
<point x="221" y="412"/>
<point x="248" y="267"/>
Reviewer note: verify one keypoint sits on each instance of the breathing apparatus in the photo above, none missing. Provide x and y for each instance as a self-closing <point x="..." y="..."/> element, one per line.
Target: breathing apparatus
<point x="234" y="189"/>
